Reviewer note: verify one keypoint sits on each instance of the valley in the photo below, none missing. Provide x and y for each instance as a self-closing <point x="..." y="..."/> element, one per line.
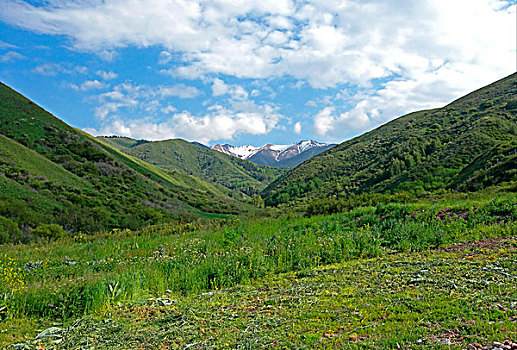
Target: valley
<point x="403" y="237"/>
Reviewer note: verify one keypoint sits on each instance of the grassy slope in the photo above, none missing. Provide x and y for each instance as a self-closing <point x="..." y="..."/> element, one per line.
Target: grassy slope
<point x="388" y="278"/>
<point x="122" y="191"/>
<point x="35" y="164"/>
<point x="227" y="172"/>
<point x="160" y="174"/>
<point x="422" y="151"/>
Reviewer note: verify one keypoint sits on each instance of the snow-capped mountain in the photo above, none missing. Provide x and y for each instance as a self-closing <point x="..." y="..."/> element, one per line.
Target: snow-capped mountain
<point x="242" y="152"/>
<point x="276" y="155"/>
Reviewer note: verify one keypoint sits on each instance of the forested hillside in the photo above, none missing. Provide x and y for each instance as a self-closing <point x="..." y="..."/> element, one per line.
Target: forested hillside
<point x="51" y="173"/>
<point x="467" y="145"/>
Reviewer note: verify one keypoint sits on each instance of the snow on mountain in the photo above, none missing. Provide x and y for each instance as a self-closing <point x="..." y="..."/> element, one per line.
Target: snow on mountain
<point x="242" y="152"/>
<point x="271" y="154"/>
<point x="278" y="148"/>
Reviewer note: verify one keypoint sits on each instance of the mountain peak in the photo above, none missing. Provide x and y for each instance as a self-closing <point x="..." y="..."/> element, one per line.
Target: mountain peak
<point x="275" y="155"/>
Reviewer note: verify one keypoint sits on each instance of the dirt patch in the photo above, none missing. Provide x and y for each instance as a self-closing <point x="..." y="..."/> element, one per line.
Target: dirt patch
<point x="489" y="243"/>
<point x="451" y="214"/>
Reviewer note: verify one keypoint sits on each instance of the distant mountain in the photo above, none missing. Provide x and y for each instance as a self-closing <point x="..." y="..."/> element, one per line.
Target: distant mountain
<point x="52" y="173"/>
<point x="277" y="156"/>
<point x="236" y="177"/>
<point x="467" y="145"/>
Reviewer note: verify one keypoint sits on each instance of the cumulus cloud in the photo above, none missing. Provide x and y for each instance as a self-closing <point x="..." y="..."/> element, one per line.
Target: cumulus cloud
<point x="168" y="109"/>
<point x="164" y="57"/>
<point x="178" y="90"/>
<point x="325" y="43"/>
<point x="423" y="53"/>
<point x="89" y="85"/>
<point x="107" y="75"/>
<point x="237" y="92"/>
<point x="219" y="124"/>
<point x="219" y="87"/>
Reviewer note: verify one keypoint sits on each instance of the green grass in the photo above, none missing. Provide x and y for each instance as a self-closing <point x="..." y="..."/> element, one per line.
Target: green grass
<point x="37" y="165"/>
<point x="90" y="274"/>
<point x="426" y="300"/>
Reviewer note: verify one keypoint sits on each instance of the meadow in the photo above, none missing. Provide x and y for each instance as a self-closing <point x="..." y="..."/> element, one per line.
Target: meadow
<point x="82" y="277"/>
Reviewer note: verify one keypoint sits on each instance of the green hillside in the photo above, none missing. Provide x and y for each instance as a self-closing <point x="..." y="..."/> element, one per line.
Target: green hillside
<point x="235" y="176"/>
<point x="53" y="173"/>
<point x="466" y="145"/>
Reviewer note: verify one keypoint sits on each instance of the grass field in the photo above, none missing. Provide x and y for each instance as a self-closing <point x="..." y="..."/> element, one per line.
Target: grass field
<point x="381" y="256"/>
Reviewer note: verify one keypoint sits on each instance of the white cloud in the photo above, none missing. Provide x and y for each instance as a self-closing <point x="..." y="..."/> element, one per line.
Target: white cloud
<point x="46" y="69"/>
<point x="323" y="42"/>
<point x="107" y="75"/>
<point x="169" y="109"/>
<point x="219" y="87"/>
<point x="324" y="121"/>
<point x="220" y="124"/>
<point x="89" y="85"/>
<point x="280" y="22"/>
<point x="178" y="90"/>
<point x="11" y="56"/>
<point x="297" y="128"/>
<point x="107" y="55"/>
<point x="52" y="69"/>
<point x="164" y="57"/>
<point x="425" y="53"/>
<point x="237" y="92"/>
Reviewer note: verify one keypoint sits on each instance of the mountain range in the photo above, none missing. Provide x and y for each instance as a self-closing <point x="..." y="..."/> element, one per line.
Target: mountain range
<point x="277" y="156"/>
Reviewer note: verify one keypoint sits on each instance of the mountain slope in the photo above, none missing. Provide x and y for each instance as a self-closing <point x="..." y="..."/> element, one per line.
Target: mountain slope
<point x="227" y="173"/>
<point x="278" y="156"/>
<point x="53" y="173"/>
<point x="468" y="144"/>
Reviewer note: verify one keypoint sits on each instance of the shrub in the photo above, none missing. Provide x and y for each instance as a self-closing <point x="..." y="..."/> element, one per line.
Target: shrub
<point x="512" y="105"/>
<point x="50" y="231"/>
<point x="9" y="231"/>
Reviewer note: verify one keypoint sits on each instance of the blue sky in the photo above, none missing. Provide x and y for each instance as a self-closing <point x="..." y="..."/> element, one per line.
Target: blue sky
<point x="274" y="71"/>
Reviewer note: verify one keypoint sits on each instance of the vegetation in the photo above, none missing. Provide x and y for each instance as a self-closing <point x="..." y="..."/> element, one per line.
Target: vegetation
<point x="236" y="177"/>
<point x="467" y="145"/>
<point x="92" y="274"/>
<point x="404" y="237"/>
<point x="51" y="173"/>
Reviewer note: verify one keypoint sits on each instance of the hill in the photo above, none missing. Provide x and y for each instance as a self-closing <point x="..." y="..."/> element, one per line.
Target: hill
<point x="278" y="156"/>
<point x="51" y="173"/>
<point x="467" y="145"/>
<point x="236" y="177"/>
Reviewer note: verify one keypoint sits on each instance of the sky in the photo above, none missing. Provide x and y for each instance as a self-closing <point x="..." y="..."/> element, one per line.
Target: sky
<point x="250" y="72"/>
